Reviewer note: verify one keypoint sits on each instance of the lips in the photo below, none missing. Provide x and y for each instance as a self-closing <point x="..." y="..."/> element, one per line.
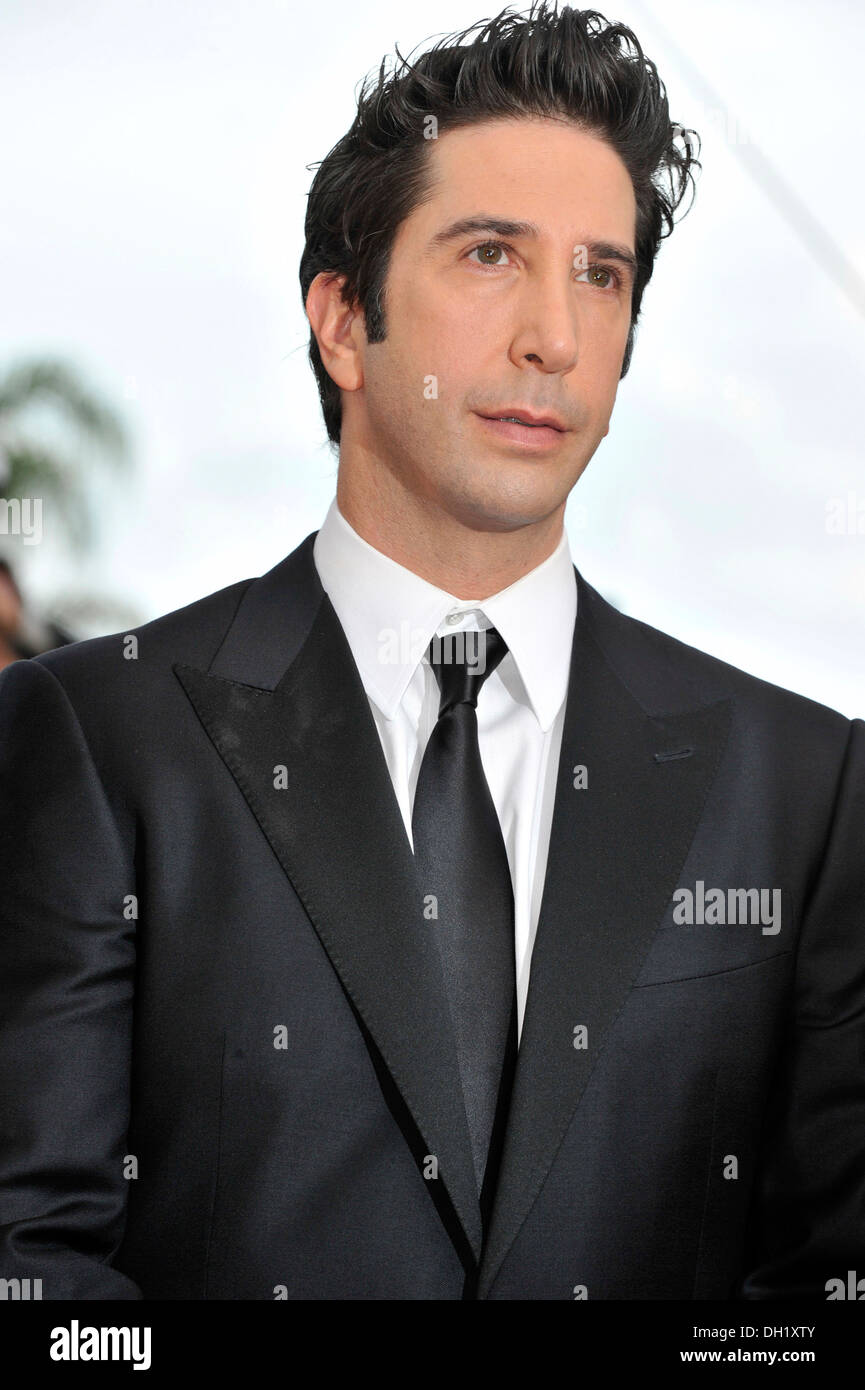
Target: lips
<point x="517" y="415"/>
<point x="529" y="439"/>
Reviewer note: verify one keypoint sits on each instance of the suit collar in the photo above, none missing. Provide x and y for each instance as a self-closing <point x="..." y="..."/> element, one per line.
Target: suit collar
<point x="272" y="622"/>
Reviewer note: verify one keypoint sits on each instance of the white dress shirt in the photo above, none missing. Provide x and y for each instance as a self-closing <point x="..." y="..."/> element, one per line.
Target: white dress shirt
<point x="390" y="615"/>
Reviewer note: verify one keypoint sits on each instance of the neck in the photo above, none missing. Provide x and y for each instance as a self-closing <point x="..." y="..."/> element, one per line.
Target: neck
<point x="452" y="554"/>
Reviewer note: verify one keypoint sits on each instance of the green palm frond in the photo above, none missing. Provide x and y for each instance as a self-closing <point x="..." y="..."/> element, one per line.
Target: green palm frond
<point x="60" y="384"/>
<point x="31" y="468"/>
<point x="31" y="471"/>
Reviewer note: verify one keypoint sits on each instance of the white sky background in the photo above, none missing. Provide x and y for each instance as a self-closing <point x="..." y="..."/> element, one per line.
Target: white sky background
<point x="152" y="194"/>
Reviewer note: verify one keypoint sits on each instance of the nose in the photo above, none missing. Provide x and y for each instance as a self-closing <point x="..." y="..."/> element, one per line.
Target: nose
<point x="547" y="330"/>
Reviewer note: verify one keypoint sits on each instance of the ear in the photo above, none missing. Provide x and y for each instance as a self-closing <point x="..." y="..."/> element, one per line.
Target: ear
<point x="339" y="330"/>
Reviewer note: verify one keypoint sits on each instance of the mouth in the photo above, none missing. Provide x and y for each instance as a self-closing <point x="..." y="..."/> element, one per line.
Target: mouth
<point x="528" y="431"/>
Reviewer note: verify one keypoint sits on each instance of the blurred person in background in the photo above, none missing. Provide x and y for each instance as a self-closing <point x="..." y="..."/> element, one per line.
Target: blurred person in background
<point x="10" y="614"/>
<point x="22" y="634"/>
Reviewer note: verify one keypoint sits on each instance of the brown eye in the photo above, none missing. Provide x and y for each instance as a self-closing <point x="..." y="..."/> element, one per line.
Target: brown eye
<point x="611" y="280"/>
<point x="488" y="253"/>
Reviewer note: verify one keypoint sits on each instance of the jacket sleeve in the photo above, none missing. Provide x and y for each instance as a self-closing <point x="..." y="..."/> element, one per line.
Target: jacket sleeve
<point x="67" y="959"/>
<point x="809" y="1212"/>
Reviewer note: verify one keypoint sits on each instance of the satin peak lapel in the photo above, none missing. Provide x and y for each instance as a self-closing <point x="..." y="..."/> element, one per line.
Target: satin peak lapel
<point x="284" y="693"/>
<point x="616" y="847"/>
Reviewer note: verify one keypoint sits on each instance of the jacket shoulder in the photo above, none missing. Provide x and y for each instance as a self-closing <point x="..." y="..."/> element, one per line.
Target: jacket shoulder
<point x="666" y="674"/>
<point x="191" y="633"/>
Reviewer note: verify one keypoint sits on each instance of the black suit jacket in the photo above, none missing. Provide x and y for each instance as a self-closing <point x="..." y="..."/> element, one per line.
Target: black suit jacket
<point x="225" y="1059"/>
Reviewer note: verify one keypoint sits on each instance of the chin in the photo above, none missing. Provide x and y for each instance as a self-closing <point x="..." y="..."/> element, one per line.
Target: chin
<point x="502" y="514"/>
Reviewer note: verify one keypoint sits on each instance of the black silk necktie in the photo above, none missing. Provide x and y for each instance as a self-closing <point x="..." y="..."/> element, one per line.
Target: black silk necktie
<point x="461" y="858"/>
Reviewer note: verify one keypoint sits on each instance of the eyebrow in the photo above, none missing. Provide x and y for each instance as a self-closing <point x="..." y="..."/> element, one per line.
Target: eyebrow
<point x="504" y="227"/>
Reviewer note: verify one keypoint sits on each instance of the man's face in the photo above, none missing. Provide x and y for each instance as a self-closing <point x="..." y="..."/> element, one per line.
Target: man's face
<point x="481" y="324"/>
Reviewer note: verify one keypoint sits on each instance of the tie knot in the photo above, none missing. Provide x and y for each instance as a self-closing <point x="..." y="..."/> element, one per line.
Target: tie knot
<point x="462" y="661"/>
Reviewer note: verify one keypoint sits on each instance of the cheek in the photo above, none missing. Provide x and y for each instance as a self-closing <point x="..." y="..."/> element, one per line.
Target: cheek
<point x="601" y="360"/>
<point x="443" y="328"/>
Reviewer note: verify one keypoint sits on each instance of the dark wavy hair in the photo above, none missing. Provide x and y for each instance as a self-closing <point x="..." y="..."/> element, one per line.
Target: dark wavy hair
<point x="573" y="65"/>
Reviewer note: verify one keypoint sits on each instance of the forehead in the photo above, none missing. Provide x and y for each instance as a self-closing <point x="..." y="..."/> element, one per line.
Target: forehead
<point x="547" y="171"/>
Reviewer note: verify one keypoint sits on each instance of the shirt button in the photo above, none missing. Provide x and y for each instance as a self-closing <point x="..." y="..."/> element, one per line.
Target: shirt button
<point x="453" y="618"/>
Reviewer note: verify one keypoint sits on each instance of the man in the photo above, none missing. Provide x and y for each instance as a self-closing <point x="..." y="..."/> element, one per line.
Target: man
<point x="343" y="961"/>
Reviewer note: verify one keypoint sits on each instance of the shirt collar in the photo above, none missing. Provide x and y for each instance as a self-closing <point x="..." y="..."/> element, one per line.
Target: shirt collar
<point x="390" y="615"/>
